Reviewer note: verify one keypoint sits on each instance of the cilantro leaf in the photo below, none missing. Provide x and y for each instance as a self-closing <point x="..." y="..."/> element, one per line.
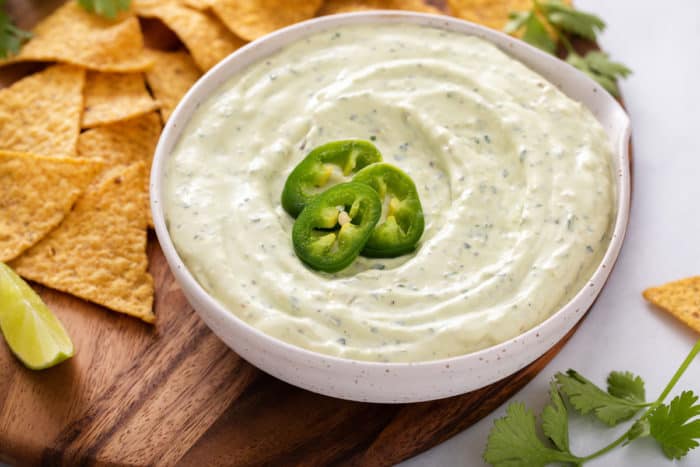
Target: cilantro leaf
<point x="626" y="386"/>
<point x="600" y="68"/>
<point x="516" y="21"/>
<point x="11" y="37"/>
<point x="586" y="397"/>
<point x="568" y="19"/>
<point x="670" y="425"/>
<point x="555" y="420"/>
<point x="580" y="63"/>
<point x="107" y="8"/>
<point x="536" y="34"/>
<point x="513" y="442"/>
<point x="600" y="62"/>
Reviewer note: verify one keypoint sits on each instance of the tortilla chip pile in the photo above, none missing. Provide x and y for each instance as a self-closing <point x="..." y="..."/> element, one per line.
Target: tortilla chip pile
<point x="680" y="298"/>
<point x="75" y="215"/>
<point x="77" y="139"/>
<point x="76" y="142"/>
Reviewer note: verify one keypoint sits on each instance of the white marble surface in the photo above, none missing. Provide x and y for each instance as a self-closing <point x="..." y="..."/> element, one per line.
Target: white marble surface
<point x="662" y="45"/>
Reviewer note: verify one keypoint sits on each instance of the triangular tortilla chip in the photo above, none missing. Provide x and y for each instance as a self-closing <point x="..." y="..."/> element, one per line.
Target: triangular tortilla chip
<point x="40" y="114"/>
<point x="172" y="75"/>
<point x="332" y="7"/>
<point x="36" y="193"/>
<point x="205" y="36"/>
<point x="98" y="252"/>
<point x="72" y="35"/>
<point x="680" y="298"/>
<point x="251" y="19"/>
<point x="491" y="13"/>
<point x="113" y="97"/>
<point x="200" y="5"/>
<point x="122" y="144"/>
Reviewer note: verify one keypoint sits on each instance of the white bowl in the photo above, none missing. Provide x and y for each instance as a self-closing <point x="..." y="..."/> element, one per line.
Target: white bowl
<point x="395" y="382"/>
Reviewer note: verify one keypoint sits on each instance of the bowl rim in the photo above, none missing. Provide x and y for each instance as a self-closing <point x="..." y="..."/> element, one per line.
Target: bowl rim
<point x="198" y="94"/>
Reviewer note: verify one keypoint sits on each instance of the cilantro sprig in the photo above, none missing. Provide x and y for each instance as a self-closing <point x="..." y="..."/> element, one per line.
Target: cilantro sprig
<point x="12" y="37"/>
<point x="563" y="21"/>
<point x="514" y="439"/>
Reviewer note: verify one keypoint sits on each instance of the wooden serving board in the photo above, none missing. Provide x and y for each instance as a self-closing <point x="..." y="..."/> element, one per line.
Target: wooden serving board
<point x="175" y="394"/>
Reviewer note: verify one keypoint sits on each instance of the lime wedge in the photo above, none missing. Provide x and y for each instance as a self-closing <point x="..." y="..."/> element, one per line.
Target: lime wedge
<point x="32" y="331"/>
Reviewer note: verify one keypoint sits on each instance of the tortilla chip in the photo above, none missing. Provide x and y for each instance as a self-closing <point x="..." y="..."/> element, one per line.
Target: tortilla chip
<point x="200" y="5"/>
<point x="680" y="298"/>
<point x="36" y="193"/>
<point x="113" y="97"/>
<point x="491" y="13"/>
<point x="204" y="36"/>
<point x="40" y="114"/>
<point x="251" y="19"/>
<point x="98" y="252"/>
<point x="172" y="75"/>
<point x="332" y="7"/>
<point x="123" y="144"/>
<point x="72" y="35"/>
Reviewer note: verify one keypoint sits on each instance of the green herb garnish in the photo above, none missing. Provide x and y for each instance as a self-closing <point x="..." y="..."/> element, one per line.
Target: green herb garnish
<point x="564" y="20"/>
<point x="598" y="66"/>
<point x="514" y="439"/>
<point x="12" y="37"/>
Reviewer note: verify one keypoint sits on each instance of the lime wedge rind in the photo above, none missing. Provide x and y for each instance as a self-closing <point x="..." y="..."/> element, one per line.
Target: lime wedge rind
<point x="33" y="333"/>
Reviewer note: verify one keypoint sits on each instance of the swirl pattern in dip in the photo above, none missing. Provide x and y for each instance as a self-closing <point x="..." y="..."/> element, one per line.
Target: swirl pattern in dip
<point x="515" y="180"/>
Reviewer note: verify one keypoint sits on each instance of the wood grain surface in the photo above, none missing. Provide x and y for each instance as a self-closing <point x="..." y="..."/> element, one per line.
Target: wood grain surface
<point x="175" y="394"/>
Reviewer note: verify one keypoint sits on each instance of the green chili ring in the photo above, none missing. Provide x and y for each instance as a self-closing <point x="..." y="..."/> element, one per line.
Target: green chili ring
<point x="314" y="172"/>
<point x="402" y="227"/>
<point x="334" y="226"/>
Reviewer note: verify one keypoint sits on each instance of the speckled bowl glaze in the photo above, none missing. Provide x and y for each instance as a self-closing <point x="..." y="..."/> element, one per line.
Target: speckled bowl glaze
<point x="395" y="382"/>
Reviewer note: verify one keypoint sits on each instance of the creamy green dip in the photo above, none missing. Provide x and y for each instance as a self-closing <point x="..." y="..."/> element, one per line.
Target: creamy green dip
<point x="515" y="180"/>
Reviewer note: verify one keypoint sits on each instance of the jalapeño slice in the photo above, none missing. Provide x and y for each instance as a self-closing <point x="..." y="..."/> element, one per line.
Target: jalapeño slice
<point x="399" y="232"/>
<point x="333" y="228"/>
<point x="314" y="172"/>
